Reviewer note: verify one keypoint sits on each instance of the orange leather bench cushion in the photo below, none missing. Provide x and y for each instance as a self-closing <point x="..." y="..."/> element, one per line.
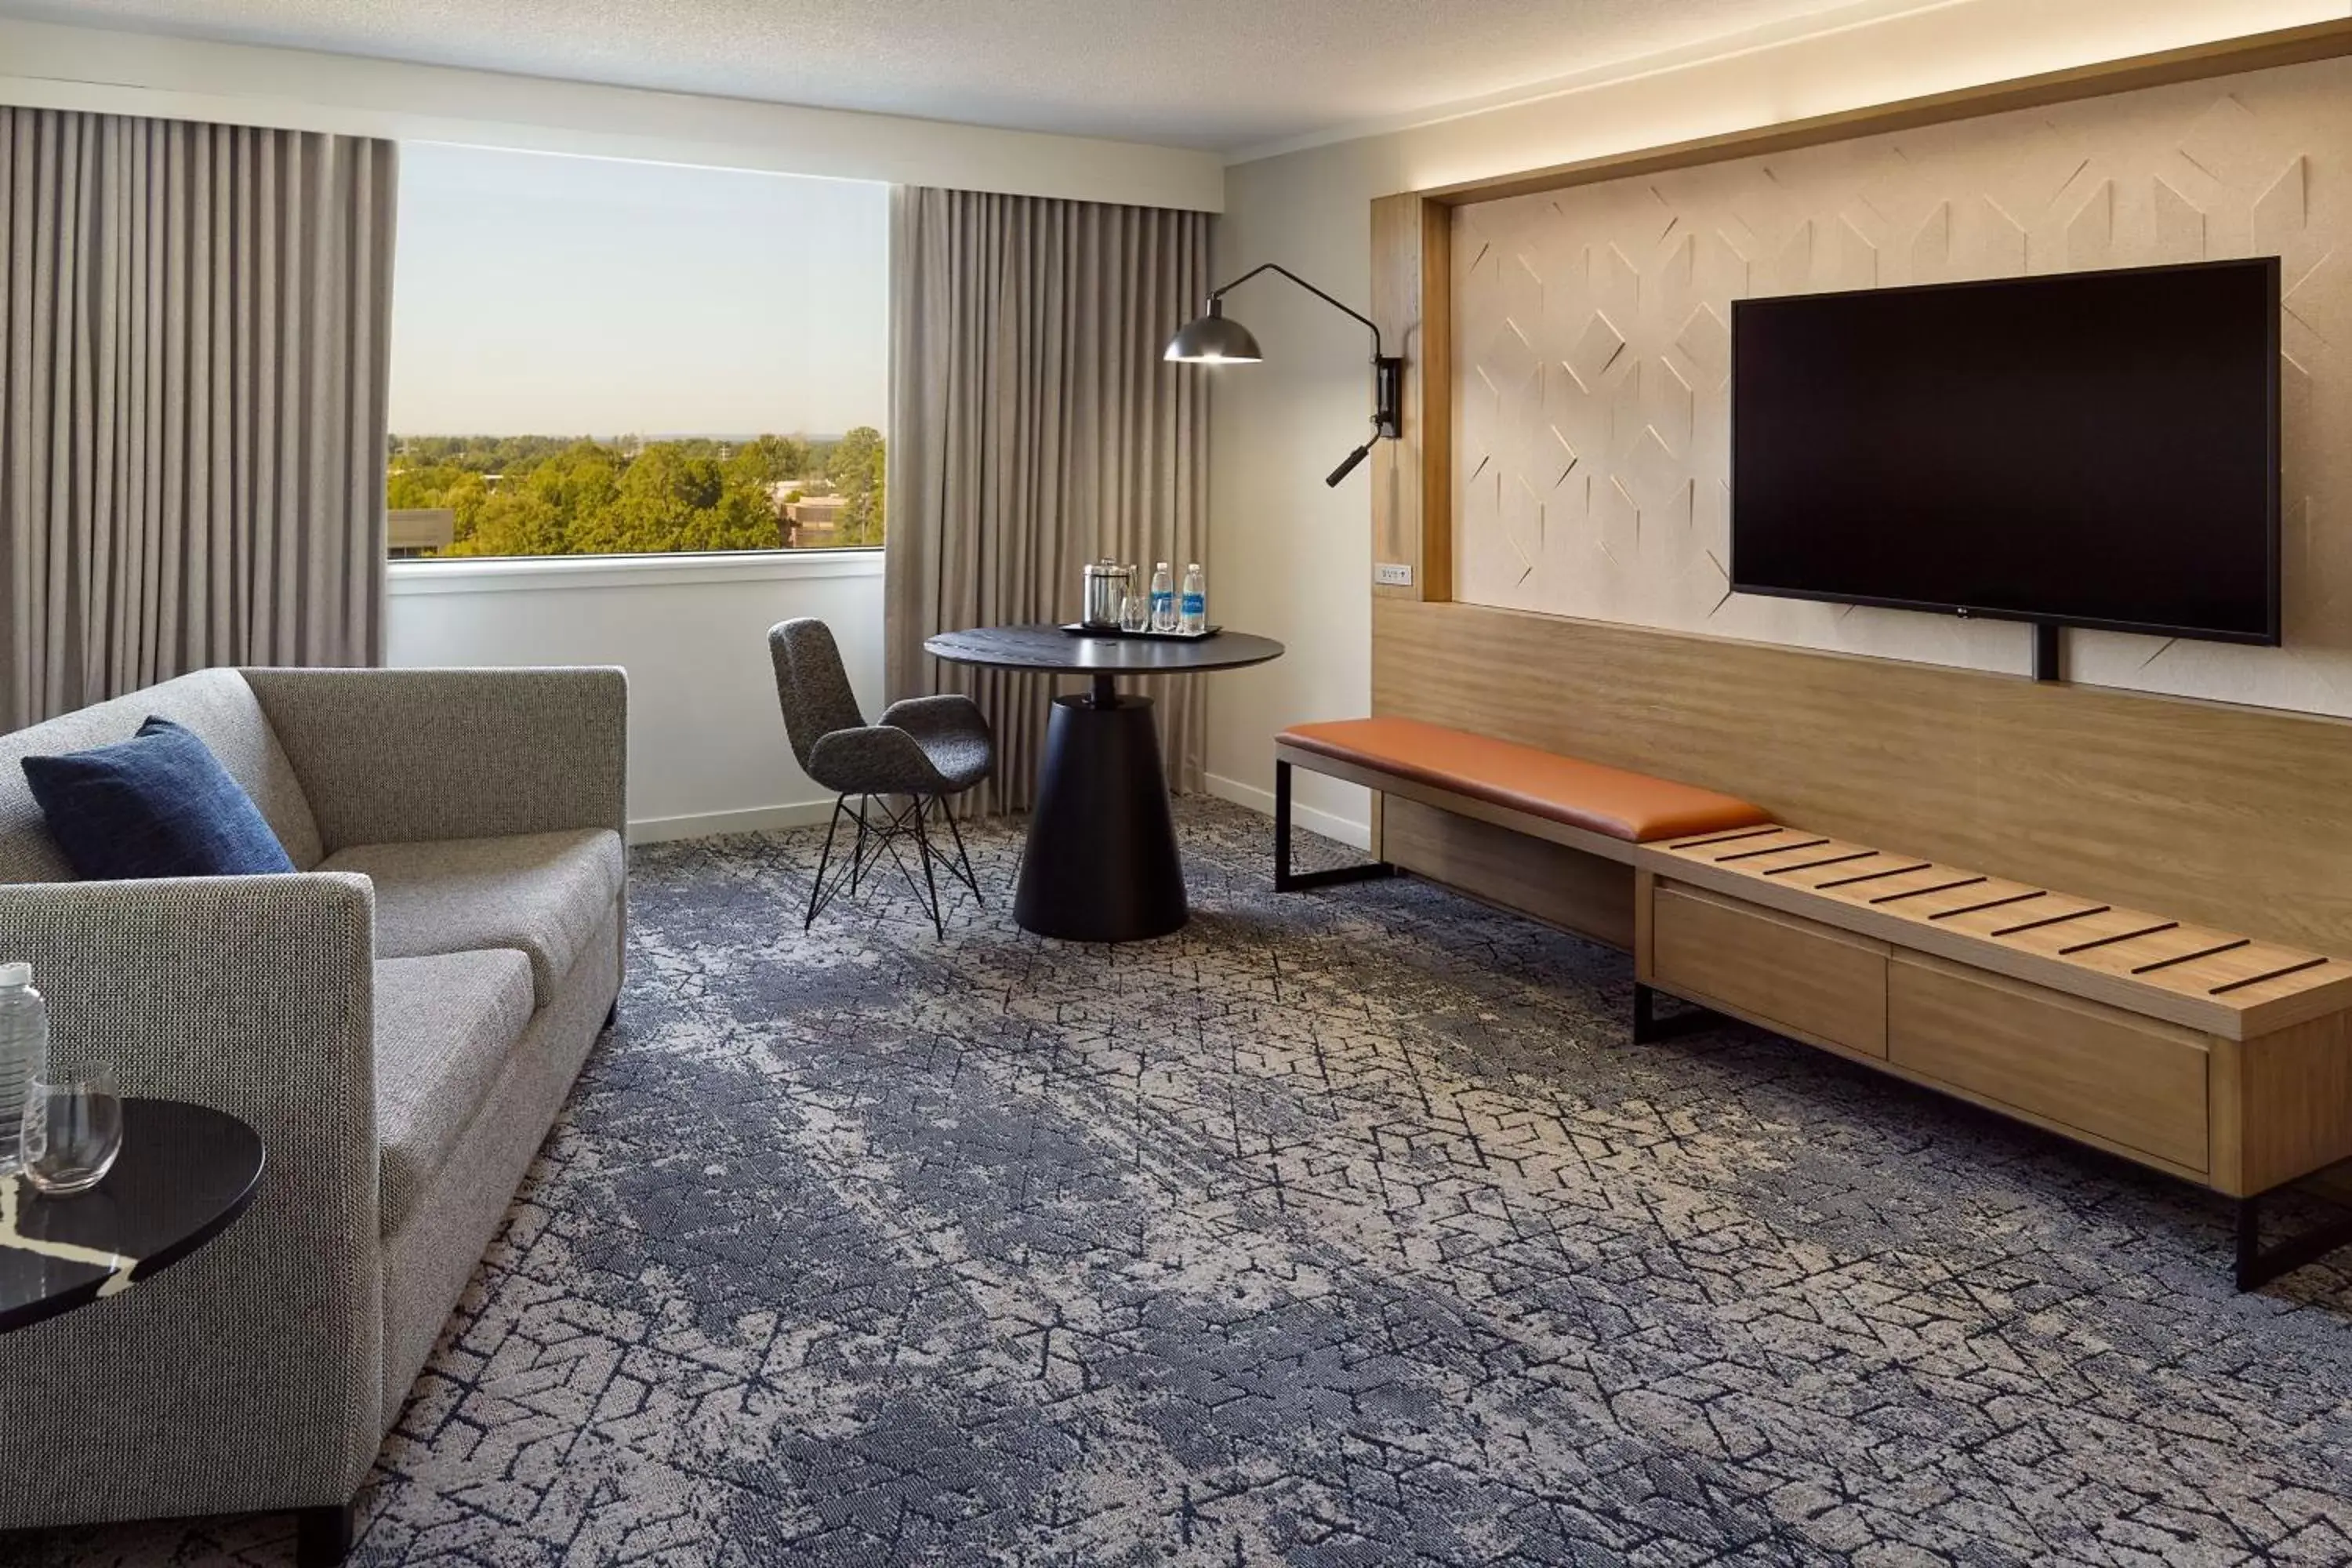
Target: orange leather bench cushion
<point x="1628" y="805"/>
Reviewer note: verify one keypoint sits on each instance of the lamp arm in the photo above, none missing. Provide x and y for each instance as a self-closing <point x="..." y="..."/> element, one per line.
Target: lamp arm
<point x="1388" y="374"/>
<point x="1370" y="325"/>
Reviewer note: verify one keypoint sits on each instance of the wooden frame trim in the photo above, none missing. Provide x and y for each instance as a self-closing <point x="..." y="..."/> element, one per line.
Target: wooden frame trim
<point x="2227" y="57"/>
<point x="1412" y="476"/>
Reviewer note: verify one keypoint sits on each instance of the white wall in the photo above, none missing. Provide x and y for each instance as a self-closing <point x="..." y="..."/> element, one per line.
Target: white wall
<point x="707" y="750"/>
<point x="51" y="67"/>
<point x="1292" y="559"/>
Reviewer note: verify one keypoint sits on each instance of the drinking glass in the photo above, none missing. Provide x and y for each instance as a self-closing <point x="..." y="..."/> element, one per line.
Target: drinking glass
<point x="1135" y="611"/>
<point x="73" y="1129"/>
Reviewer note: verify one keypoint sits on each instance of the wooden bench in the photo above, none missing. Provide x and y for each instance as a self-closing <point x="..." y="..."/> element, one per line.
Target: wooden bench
<point x="2215" y="1056"/>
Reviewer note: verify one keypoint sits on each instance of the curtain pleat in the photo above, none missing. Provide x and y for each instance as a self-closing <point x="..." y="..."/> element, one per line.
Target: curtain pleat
<point x="193" y="359"/>
<point x="1034" y="427"/>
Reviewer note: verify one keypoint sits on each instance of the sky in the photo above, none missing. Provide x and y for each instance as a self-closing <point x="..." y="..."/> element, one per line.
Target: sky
<point x="536" y="294"/>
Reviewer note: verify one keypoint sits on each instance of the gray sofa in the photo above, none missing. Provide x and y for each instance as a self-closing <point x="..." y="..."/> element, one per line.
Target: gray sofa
<point x="401" y="1021"/>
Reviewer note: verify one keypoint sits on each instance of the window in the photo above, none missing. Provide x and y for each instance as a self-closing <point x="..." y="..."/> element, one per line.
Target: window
<point x="592" y="357"/>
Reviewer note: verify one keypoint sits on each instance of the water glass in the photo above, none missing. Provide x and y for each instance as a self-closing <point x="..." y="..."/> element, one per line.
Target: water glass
<point x="1135" y="611"/>
<point x="73" y="1129"/>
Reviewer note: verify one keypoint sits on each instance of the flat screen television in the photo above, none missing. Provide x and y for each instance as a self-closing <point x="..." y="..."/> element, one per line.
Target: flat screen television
<point x="2088" y="449"/>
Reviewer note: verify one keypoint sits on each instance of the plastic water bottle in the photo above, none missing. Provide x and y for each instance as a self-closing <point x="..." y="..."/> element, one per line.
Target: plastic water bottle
<point x="23" y="1055"/>
<point x="1195" y="615"/>
<point x="1163" y="599"/>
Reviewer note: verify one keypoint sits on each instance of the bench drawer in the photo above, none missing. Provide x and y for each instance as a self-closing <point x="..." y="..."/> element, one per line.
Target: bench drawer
<point x="2136" y="1082"/>
<point x="1813" y="981"/>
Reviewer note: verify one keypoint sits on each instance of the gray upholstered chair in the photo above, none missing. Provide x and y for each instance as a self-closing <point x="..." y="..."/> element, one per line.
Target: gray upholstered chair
<point x="924" y="750"/>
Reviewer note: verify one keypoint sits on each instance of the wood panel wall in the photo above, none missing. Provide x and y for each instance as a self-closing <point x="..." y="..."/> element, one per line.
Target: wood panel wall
<point x="2239" y="818"/>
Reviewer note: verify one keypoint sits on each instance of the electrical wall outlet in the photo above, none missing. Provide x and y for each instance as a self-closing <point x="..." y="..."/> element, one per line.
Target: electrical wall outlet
<point x="1393" y="574"/>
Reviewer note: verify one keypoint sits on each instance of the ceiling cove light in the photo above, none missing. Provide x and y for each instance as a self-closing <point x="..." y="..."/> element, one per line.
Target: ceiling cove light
<point x="1216" y="338"/>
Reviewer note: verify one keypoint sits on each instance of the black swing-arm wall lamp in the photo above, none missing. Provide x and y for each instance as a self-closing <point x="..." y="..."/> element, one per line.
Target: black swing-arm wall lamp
<point x="1216" y="339"/>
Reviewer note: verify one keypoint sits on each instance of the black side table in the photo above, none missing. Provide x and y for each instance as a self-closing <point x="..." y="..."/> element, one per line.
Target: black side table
<point x="184" y="1174"/>
<point x="1101" y="864"/>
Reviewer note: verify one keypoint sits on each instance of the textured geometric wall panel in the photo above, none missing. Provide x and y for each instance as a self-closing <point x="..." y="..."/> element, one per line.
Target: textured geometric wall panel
<point x="1594" y="352"/>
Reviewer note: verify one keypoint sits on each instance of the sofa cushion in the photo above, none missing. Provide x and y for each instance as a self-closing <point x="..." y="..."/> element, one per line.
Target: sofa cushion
<point x="443" y="1029"/>
<point x="158" y="804"/>
<point x="217" y="706"/>
<point x="541" y="893"/>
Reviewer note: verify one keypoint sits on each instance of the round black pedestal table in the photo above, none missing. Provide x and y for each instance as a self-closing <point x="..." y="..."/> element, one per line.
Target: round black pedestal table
<point x="185" y="1172"/>
<point x="1101" y="864"/>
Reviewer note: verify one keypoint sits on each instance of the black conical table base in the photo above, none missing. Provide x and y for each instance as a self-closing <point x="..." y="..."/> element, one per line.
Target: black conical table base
<point x="1101" y="864"/>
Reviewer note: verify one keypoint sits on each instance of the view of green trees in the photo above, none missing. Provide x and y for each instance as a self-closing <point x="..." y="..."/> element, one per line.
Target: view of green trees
<point x="554" y="495"/>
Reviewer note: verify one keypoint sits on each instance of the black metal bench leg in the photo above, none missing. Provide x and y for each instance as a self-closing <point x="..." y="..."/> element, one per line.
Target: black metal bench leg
<point x="2257" y="1267"/>
<point x="1649" y="1027"/>
<point x="322" y="1536"/>
<point x="1285" y="881"/>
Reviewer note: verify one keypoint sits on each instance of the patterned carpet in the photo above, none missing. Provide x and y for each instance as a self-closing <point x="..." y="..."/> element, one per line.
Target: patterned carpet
<point x="1341" y="1228"/>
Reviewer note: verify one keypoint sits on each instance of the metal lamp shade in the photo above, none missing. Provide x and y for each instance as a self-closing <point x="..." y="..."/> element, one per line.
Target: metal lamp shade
<point x="1214" y="338"/>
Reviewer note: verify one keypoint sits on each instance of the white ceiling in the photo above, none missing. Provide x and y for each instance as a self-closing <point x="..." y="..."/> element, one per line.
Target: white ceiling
<point x="1217" y="74"/>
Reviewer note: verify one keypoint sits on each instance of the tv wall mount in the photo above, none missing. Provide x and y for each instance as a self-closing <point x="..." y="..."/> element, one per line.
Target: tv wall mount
<point x="2049" y="651"/>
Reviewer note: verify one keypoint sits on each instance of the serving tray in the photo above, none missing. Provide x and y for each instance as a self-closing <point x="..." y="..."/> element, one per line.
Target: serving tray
<point x="1080" y="629"/>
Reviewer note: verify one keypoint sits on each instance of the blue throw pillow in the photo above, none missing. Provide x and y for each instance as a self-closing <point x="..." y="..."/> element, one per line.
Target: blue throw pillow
<point x="158" y="804"/>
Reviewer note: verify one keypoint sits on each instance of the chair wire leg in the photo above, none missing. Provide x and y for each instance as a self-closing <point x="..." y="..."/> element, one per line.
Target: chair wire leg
<point x="879" y="832"/>
<point x="893" y="827"/>
<point x="923" y="853"/>
<point x="963" y="866"/>
<point x="816" y="888"/>
<point x="857" y="857"/>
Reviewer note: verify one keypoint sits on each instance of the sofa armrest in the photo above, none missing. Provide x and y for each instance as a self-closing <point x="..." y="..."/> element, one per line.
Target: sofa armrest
<point x="390" y="756"/>
<point x="249" y="1374"/>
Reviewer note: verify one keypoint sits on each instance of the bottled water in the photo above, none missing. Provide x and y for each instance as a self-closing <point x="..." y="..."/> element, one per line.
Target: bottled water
<point x="23" y="1055"/>
<point x="1163" y="599"/>
<point x="1195" y="611"/>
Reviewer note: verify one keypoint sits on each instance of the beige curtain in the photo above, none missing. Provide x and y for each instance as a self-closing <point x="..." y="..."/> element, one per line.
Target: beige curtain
<point x="1035" y="427"/>
<point x="193" y="359"/>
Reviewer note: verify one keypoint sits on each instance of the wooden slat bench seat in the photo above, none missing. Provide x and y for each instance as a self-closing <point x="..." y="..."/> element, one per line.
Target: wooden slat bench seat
<point x="2219" y="1056"/>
